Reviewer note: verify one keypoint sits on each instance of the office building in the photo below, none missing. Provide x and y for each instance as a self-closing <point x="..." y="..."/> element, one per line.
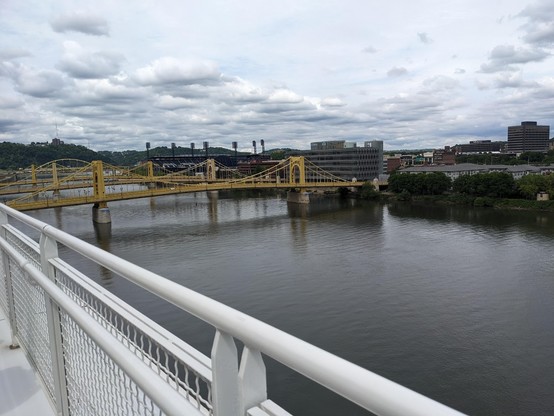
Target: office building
<point x="528" y="137"/>
<point x="480" y="146"/>
<point x="347" y="162"/>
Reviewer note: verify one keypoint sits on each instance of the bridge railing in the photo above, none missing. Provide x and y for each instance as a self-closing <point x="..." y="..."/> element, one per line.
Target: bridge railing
<point x="94" y="353"/>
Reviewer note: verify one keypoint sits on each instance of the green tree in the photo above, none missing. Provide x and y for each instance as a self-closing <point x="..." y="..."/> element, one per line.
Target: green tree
<point x="532" y="157"/>
<point x="492" y="184"/>
<point x="530" y="185"/>
<point x="436" y="183"/>
<point x="369" y="192"/>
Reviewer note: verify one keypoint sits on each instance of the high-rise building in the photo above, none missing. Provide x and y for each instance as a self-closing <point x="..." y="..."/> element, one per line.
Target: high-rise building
<point x="528" y="137"/>
<point x="347" y="162"/>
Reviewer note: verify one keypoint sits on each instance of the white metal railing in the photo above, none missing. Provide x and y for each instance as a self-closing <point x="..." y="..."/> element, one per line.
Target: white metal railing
<point x="94" y="353"/>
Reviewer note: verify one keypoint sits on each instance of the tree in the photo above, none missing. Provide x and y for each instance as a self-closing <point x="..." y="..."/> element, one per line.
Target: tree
<point x="434" y="183"/>
<point x="530" y="185"/>
<point x="492" y="184"/>
<point x="369" y="192"/>
<point x="532" y="157"/>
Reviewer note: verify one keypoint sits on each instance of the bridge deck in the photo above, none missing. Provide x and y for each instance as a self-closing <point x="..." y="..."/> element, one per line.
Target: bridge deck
<point x="21" y="393"/>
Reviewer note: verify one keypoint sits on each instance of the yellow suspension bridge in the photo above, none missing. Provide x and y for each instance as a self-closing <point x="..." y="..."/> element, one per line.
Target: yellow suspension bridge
<point x="68" y="182"/>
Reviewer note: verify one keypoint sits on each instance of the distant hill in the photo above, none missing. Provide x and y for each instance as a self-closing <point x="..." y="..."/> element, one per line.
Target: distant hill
<point x="17" y="155"/>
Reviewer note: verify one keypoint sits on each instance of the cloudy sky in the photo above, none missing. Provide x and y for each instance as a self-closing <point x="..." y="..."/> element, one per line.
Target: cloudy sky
<point x="113" y="75"/>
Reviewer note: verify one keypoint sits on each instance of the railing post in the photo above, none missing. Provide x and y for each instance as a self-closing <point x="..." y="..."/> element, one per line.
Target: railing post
<point x="225" y="392"/>
<point x="252" y="380"/>
<point x="49" y="250"/>
<point x="9" y="286"/>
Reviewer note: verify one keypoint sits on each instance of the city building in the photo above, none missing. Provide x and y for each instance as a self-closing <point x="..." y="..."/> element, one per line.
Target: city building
<point x="346" y="160"/>
<point x="454" y="171"/>
<point x="444" y="156"/>
<point x="528" y="137"/>
<point x="391" y="163"/>
<point x="480" y="146"/>
<point x="329" y="145"/>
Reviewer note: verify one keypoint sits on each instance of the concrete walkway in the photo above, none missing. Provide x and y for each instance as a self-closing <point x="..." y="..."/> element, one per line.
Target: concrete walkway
<point x="21" y="392"/>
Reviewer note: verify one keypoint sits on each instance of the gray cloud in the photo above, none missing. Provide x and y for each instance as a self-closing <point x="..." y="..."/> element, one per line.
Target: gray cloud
<point x="397" y="72"/>
<point x="369" y="49"/>
<point x="88" y="24"/>
<point x="539" y="11"/>
<point x="513" y="81"/>
<point x="91" y="65"/>
<point x="539" y="27"/>
<point x="173" y="71"/>
<point x="424" y="38"/>
<point x="503" y="57"/>
<point x="37" y="83"/>
<point x="541" y="34"/>
<point x="8" y="54"/>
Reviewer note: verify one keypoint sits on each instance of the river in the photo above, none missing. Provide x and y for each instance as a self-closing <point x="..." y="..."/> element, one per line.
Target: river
<point x="453" y="302"/>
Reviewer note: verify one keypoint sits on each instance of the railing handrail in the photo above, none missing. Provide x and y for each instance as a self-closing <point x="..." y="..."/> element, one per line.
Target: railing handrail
<point x="359" y="385"/>
<point x="169" y="400"/>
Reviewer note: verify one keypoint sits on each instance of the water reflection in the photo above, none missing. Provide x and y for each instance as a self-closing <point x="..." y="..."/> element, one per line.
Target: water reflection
<point x="536" y="222"/>
<point x="213" y="197"/>
<point x="103" y="233"/>
<point x="58" y="216"/>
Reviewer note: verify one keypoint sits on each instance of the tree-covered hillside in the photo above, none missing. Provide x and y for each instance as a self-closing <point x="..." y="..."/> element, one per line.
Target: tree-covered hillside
<point x="16" y="155"/>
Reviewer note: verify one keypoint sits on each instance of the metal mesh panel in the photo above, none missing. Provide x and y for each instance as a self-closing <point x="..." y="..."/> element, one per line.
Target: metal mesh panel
<point x="167" y="365"/>
<point x="24" y="245"/>
<point x="96" y="385"/>
<point x="3" y="286"/>
<point x="31" y="324"/>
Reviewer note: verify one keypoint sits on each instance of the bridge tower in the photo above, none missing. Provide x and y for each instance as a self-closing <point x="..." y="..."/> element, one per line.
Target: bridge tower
<point x="297" y="170"/>
<point x="210" y="169"/>
<point x="150" y="174"/>
<point x="55" y="182"/>
<point x="33" y="174"/>
<point x="100" y="211"/>
<point x="297" y="178"/>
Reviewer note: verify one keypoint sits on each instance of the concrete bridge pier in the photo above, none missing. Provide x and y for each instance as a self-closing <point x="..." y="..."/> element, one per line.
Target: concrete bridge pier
<point x="301" y="197"/>
<point x="101" y="213"/>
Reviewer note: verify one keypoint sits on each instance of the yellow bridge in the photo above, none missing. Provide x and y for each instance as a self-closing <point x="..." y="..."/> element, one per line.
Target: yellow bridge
<point x="74" y="182"/>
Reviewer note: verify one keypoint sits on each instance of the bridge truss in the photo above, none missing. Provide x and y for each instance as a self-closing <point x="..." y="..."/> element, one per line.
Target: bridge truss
<point x="73" y="182"/>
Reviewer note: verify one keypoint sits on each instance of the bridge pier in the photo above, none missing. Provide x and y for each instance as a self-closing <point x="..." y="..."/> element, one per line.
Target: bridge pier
<point x="101" y="213"/>
<point x="301" y="197"/>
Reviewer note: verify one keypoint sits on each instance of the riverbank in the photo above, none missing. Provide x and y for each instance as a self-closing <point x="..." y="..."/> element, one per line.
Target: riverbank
<point x="467" y="200"/>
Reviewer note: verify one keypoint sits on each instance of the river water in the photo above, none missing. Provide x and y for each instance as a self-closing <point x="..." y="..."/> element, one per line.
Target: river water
<point x="453" y="302"/>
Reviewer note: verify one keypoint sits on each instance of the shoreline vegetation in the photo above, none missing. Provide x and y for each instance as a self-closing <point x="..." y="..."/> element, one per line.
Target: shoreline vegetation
<point x="498" y="190"/>
<point x="471" y="201"/>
